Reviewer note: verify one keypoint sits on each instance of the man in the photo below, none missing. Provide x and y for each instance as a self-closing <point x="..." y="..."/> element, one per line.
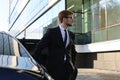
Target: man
<point x="59" y="41"/>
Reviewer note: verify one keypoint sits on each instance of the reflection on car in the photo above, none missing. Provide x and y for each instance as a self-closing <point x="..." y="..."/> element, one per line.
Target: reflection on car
<point x="16" y="63"/>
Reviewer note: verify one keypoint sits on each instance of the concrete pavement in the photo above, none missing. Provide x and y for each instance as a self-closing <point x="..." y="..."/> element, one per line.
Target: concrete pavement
<point x="95" y="74"/>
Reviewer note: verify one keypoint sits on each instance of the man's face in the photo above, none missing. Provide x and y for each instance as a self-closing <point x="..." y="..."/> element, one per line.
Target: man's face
<point x="69" y="20"/>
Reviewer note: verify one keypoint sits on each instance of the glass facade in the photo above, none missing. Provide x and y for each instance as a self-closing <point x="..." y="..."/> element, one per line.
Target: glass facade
<point x="105" y="20"/>
<point x="32" y="16"/>
<point x="82" y="15"/>
<point x="95" y="20"/>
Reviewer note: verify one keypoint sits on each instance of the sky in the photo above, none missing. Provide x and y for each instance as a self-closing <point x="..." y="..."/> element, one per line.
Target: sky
<point x="4" y="12"/>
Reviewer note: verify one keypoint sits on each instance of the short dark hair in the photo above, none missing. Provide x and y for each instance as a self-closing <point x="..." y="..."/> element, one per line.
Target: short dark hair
<point x="64" y="14"/>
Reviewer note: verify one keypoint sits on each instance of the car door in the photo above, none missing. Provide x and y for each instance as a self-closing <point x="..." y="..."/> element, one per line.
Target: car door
<point x="16" y="63"/>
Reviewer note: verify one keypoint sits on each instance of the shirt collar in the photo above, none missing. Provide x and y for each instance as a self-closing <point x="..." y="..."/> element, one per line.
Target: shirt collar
<point x="62" y="28"/>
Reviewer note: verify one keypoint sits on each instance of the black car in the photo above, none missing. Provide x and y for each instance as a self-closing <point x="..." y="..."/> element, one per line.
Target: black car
<point x="16" y="63"/>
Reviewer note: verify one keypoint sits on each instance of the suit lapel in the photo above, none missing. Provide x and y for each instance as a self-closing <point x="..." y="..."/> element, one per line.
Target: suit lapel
<point x="59" y="37"/>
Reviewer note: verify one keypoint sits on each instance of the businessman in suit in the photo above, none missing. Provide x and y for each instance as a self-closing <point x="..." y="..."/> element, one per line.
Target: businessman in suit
<point x="59" y="42"/>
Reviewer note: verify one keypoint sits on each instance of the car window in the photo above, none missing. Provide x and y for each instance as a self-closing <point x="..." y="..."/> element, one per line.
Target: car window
<point x="22" y="51"/>
<point x="11" y="46"/>
<point x="1" y="44"/>
<point x="6" y="49"/>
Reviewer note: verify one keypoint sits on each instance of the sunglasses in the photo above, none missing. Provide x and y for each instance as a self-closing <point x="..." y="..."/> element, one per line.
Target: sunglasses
<point x="70" y="17"/>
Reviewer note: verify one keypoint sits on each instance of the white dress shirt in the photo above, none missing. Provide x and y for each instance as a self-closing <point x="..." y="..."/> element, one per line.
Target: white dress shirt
<point x="63" y="35"/>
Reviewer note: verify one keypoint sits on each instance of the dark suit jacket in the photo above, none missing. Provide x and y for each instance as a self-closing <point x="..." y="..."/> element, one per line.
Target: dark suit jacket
<point x="55" y="64"/>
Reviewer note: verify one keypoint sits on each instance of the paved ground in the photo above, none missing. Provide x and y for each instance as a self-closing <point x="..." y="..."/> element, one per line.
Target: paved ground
<point x="94" y="74"/>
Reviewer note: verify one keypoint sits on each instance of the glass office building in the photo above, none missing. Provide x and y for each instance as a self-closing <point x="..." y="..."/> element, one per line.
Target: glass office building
<point x="95" y="20"/>
<point x="96" y="25"/>
<point x="28" y="17"/>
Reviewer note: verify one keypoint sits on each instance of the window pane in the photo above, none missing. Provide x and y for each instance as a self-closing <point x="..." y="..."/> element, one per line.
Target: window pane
<point x="14" y="49"/>
<point x="11" y="46"/>
<point x="113" y="12"/>
<point x="23" y="52"/>
<point x="6" y="45"/>
<point x="1" y="44"/>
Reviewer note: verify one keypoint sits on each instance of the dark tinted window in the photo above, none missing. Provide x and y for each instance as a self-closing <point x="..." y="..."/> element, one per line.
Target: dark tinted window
<point x="11" y="46"/>
<point x="1" y="44"/>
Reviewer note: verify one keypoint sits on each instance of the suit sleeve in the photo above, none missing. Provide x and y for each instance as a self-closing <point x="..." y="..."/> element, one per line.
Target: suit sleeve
<point x="41" y="49"/>
<point x="74" y="53"/>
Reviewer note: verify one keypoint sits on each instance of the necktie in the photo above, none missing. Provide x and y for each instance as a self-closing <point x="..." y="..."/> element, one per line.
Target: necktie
<point x="65" y="39"/>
